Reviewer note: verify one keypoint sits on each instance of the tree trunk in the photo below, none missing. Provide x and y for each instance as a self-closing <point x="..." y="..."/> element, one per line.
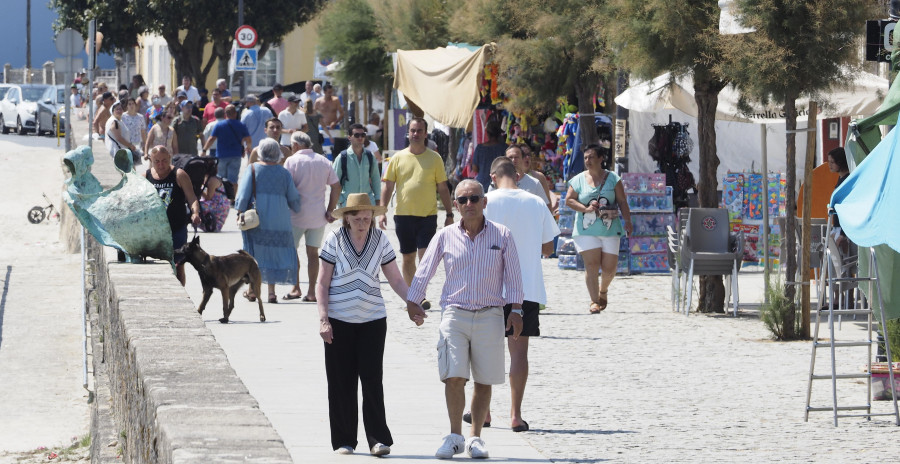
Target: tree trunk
<point x="187" y="53"/>
<point x="790" y="223"/>
<point x="706" y="94"/>
<point x="584" y="92"/>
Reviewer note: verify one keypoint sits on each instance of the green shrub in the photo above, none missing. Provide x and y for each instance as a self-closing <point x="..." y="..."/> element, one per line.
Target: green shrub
<point x="774" y="312"/>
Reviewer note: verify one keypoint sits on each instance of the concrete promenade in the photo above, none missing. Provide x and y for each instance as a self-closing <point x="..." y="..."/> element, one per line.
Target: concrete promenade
<point x="637" y="383"/>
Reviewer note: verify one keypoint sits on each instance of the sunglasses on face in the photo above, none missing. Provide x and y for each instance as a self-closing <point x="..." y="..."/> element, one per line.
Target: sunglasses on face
<point x="359" y="135"/>
<point x="464" y="200"/>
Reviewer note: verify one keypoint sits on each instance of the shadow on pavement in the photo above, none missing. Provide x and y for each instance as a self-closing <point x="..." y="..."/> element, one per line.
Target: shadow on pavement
<point x="3" y="299"/>
<point x="582" y="431"/>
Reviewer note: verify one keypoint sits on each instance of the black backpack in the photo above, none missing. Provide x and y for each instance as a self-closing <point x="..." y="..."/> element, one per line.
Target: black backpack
<point x="344" y="176"/>
<point x="196" y="168"/>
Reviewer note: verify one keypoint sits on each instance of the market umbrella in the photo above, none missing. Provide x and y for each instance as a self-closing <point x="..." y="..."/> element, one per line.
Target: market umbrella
<point x="863" y="96"/>
<point x="868" y="216"/>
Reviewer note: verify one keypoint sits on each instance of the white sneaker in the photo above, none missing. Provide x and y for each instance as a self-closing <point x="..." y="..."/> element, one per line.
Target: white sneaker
<point x="344" y="450"/>
<point x="453" y="444"/>
<point x="476" y="449"/>
<point x="380" y="449"/>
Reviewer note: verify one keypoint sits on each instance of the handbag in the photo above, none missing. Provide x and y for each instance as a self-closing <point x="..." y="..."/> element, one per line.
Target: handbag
<point x="250" y="219"/>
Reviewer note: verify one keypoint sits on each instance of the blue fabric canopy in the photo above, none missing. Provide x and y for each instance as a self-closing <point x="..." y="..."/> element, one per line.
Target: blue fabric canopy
<point x="865" y="201"/>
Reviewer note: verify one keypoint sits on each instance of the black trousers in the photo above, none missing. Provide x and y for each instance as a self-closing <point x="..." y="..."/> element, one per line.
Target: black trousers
<point x="356" y="352"/>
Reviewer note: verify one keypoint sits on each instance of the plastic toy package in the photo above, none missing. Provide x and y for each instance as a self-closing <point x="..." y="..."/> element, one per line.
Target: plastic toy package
<point x="649" y="225"/>
<point x="651" y="202"/>
<point x="636" y="182"/>
<point x="565" y="245"/>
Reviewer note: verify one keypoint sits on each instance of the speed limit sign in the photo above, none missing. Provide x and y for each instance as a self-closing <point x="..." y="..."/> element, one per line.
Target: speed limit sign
<point x="246" y="36"/>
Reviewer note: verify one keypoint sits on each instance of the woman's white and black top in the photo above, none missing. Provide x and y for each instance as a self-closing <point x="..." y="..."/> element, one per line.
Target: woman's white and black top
<point x="355" y="292"/>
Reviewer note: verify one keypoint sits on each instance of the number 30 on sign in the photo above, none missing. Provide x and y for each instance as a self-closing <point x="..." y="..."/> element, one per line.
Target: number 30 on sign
<point x="246" y="36"/>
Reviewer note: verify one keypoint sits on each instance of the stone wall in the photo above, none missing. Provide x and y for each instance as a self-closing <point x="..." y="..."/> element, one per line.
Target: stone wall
<point x="164" y="390"/>
<point x="174" y="396"/>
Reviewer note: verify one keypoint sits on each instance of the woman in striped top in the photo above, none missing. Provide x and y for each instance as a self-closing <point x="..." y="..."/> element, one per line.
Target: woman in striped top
<point x="353" y="322"/>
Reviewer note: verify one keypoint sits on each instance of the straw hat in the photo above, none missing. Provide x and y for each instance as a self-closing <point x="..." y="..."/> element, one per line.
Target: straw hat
<point x="359" y="202"/>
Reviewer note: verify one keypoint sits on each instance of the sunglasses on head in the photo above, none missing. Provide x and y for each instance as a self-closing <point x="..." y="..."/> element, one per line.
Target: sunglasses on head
<point x="359" y="135"/>
<point x="473" y="198"/>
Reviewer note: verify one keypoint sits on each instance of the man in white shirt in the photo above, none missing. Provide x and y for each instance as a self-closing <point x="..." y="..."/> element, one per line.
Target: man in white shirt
<point x="192" y="93"/>
<point x="533" y="229"/>
<point x="525" y="182"/>
<point x="292" y="119"/>
<point x="309" y="95"/>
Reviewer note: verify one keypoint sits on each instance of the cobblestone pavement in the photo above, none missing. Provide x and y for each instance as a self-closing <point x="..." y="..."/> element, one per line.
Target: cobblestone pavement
<point x="637" y="383"/>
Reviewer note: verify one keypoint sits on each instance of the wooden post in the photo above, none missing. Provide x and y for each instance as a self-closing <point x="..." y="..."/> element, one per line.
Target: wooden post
<point x="806" y="238"/>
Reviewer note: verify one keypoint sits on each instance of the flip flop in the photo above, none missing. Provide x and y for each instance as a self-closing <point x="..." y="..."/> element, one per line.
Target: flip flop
<point x="308" y="299"/>
<point x="521" y="428"/>
<point x="467" y="418"/>
<point x="290" y="297"/>
<point x="273" y="298"/>
<point x="595" y="308"/>
<point x="249" y="297"/>
<point x="601" y="300"/>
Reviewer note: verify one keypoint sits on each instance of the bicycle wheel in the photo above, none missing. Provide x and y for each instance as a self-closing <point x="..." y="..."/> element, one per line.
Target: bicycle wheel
<point x="36" y="215"/>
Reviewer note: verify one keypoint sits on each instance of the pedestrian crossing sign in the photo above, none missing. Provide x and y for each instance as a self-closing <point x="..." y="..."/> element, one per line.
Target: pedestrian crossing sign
<point x="246" y="60"/>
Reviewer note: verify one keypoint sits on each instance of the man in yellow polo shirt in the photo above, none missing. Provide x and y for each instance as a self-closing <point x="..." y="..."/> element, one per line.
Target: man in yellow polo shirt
<point x="417" y="173"/>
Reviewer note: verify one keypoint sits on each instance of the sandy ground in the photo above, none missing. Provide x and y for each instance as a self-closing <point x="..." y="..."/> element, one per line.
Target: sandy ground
<point x="42" y="400"/>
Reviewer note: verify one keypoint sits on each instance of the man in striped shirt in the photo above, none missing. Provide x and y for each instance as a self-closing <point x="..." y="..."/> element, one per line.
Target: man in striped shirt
<point x="482" y="275"/>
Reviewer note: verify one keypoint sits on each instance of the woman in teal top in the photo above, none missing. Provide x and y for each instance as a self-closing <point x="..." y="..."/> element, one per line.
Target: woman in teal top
<point x="598" y="198"/>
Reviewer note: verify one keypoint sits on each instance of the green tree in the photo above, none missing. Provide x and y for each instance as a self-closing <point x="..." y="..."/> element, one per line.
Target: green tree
<point x="547" y="49"/>
<point x="799" y="48"/>
<point x="414" y="24"/>
<point x="186" y="25"/>
<point x="348" y="34"/>
<point x="652" y="37"/>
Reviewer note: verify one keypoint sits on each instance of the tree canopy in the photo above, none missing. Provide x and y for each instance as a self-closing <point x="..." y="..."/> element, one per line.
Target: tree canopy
<point x="348" y="33"/>
<point x="186" y="25"/>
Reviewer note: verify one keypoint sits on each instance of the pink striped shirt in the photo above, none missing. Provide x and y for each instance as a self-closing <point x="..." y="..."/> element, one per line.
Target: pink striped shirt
<point x="476" y="271"/>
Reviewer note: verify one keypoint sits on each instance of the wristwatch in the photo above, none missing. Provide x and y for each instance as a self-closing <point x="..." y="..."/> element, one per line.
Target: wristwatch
<point x="519" y="312"/>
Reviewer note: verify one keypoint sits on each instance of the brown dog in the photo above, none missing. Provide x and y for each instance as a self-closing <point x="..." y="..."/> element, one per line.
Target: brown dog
<point x="227" y="273"/>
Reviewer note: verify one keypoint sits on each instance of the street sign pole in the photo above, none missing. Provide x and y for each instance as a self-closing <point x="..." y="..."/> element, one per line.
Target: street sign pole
<point x="241" y="23"/>
<point x="92" y="32"/>
<point x="67" y="92"/>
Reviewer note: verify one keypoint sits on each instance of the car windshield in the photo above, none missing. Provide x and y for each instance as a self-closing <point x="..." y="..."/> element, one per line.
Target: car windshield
<point x="3" y="91"/>
<point x="33" y="94"/>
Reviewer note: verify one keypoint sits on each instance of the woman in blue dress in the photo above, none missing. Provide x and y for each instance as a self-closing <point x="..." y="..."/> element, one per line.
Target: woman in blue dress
<point x="272" y="242"/>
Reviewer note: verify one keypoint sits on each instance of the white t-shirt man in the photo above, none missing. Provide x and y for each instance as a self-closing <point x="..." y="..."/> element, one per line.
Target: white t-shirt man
<point x="531" y="225"/>
<point x="530" y="185"/>
<point x="294" y="121"/>
<point x="192" y="93"/>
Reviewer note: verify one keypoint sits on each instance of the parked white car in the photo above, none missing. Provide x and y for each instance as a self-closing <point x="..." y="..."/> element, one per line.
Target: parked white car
<point x="19" y="106"/>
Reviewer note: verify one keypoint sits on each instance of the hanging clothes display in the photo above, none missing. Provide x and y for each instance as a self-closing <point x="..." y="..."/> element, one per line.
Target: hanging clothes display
<point x="671" y="147"/>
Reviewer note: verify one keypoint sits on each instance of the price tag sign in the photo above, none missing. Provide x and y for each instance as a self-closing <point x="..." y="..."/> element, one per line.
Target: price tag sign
<point x="246" y="36"/>
<point x="620" y="138"/>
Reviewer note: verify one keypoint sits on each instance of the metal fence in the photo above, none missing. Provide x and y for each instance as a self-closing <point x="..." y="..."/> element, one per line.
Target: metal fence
<point x="47" y="75"/>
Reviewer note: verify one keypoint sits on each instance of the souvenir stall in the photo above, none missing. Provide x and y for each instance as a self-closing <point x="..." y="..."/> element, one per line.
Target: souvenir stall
<point x="745" y="195"/>
<point x="651" y="203"/>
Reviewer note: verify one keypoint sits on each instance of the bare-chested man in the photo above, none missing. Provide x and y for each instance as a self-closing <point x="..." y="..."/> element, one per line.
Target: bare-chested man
<point x="330" y="108"/>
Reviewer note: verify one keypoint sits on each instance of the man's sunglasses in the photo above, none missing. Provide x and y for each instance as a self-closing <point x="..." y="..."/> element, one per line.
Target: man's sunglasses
<point x="359" y="135"/>
<point x="473" y="198"/>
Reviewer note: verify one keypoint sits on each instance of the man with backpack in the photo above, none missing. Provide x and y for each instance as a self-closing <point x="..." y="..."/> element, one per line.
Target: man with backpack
<point x="357" y="169"/>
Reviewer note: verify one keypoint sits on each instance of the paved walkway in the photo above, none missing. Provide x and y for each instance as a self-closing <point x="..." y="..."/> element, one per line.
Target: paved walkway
<point x="42" y="401"/>
<point x="637" y="383"/>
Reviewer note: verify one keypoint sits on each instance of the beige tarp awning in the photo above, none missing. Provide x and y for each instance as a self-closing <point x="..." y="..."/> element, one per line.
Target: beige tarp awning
<point x="442" y="82"/>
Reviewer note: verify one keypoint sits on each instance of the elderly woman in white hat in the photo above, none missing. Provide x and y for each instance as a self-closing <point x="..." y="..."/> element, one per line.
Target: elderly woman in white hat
<point x="353" y="322"/>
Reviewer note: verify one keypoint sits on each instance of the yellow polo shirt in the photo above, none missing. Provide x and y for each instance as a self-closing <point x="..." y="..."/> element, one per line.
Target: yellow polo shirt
<point x="416" y="178"/>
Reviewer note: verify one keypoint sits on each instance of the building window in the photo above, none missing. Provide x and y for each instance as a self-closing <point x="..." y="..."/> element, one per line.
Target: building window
<point x="266" y="74"/>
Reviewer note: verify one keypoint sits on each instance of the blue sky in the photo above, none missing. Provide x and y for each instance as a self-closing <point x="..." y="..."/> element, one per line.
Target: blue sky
<point x="12" y="35"/>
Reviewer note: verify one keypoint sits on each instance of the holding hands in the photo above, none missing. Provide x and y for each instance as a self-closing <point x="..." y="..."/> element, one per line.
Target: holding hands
<point x="416" y="313"/>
